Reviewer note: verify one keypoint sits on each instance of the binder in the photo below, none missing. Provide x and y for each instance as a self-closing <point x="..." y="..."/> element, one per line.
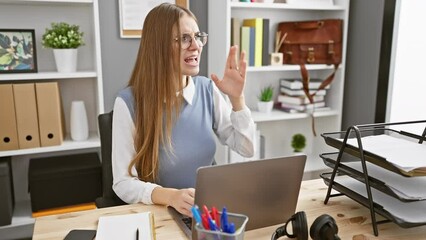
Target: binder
<point x="257" y="23"/>
<point x="247" y="44"/>
<point x="50" y="115"/>
<point x="26" y="115"/>
<point x="8" y="132"/>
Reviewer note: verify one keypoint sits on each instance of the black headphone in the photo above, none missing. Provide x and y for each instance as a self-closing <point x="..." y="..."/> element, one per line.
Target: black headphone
<point x="323" y="228"/>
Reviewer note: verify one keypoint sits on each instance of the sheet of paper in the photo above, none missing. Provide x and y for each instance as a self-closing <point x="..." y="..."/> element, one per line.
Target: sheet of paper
<point x="134" y="12"/>
<point x="410" y="212"/>
<point x="124" y="227"/>
<point x="405" y="187"/>
<point x="402" y="153"/>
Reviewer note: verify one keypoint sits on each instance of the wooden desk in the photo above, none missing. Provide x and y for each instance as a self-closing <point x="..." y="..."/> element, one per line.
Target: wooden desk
<point x="352" y="219"/>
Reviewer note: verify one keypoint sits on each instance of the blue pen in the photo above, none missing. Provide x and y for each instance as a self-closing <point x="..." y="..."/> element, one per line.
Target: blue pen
<point x="231" y="228"/>
<point x="196" y="214"/>
<point x="226" y="226"/>
<point x="212" y="224"/>
<point x="224" y="220"/>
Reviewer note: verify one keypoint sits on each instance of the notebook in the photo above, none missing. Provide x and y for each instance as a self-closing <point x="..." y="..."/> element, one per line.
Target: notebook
<point x="265" y="190"/>
<point x="126" y="227"/>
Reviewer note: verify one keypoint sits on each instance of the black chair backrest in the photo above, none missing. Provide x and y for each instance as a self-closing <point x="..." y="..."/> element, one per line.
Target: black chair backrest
<point x="109" y="198"/>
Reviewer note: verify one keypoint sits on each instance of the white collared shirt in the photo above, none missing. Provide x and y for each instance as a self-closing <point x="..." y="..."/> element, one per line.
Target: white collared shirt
<point x="235" y="129"/>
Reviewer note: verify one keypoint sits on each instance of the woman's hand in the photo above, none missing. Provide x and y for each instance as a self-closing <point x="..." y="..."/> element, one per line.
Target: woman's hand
<point x="180" y="199"/>
<point x="234" y="78"/>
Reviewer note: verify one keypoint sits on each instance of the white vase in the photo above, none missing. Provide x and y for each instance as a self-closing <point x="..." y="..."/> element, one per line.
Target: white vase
<point x="66" y="59"/>
<point x="265" y="107"/>
<point x="79" y="127"/>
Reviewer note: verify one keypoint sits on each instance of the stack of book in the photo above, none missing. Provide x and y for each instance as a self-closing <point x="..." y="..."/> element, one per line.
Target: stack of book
<point x="252" y="35"/>
<point x="292" y="98"/>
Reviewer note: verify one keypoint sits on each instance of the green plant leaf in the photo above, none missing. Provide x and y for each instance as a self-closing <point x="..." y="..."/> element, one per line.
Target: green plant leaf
<point x="298" y="142"/>
<point x="266" y="94"/>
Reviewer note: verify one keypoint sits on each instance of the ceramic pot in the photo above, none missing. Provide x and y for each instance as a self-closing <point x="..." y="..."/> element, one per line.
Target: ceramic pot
<point x="265" y="107"/>
<point x="66" y="60"/>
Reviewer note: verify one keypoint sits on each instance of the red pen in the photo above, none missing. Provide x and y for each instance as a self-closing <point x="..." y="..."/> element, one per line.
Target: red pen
<point x="205" y="221"/>
<point x="207" y="212"/>
<point x="215" y="215"/>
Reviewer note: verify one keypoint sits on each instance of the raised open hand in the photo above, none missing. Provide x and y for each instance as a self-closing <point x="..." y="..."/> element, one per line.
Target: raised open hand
<point x="234" y="77"/>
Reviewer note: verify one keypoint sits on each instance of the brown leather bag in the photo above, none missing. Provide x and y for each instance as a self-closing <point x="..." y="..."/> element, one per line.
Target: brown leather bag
<point x="312" y="42"/>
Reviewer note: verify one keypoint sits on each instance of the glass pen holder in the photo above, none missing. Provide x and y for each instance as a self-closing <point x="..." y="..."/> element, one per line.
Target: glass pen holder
<point x="240" y="222"/>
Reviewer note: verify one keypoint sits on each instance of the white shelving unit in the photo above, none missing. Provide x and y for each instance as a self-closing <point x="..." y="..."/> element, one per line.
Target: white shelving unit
<point x="278" y="127"/>
<point x="85" y="84"/>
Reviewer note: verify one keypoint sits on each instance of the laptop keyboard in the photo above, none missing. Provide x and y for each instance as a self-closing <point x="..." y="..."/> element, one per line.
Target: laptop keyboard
<point x="187" y="221"/>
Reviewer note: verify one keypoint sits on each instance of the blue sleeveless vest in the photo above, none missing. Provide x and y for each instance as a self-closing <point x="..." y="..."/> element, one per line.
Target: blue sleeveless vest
<point x="192" y="137"/>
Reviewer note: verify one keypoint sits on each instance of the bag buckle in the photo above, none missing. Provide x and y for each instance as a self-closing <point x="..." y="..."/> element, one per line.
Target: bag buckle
<point x="331" y="47"/>
<point x="289" y="55"/>
<point x="311" y="55"/>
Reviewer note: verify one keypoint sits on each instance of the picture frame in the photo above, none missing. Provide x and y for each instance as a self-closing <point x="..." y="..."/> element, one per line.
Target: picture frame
<point x="133" y="12"/>
<point x="18" y="51"/>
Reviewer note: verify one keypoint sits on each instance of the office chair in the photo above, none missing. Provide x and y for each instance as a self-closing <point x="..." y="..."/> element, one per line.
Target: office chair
<point x="109" y="198"/>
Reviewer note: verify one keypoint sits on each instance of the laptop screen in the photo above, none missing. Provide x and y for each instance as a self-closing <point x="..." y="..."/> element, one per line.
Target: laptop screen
<point x="265" y="190"/>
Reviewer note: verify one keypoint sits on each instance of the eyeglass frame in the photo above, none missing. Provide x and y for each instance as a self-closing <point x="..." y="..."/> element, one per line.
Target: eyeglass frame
<point x="193" y="37"/>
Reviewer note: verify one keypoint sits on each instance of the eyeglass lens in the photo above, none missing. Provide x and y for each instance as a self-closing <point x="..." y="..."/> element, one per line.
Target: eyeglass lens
<point x="200" y="37"/>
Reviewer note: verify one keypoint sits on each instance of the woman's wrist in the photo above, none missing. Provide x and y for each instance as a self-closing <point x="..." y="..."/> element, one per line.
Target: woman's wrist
<point x="238" y="103"/>
<point x="162" y="196"/>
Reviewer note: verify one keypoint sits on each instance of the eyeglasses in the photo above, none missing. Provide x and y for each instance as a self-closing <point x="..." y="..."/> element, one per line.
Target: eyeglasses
<point x="186" y="39"/>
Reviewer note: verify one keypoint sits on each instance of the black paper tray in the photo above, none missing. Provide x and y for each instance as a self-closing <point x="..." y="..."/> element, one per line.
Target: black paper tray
<point x="335" y="139"/>
<point x="330" y="161"/>
<point x="365" y="202"/>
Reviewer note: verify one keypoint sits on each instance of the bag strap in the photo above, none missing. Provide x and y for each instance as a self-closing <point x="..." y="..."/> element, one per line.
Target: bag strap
<point x="310" y="96"/>
<point x="308" y="25"/>
<point x="306" y="79"/>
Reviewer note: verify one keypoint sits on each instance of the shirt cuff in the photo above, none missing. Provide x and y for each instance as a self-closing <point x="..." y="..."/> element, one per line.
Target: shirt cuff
<point x="241" y="118"/>
<point x="147" y="193"/>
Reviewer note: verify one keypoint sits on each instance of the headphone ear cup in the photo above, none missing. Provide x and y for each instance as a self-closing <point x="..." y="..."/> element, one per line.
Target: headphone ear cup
<point x="300" y="226"/>
<point x="323" y="228"/>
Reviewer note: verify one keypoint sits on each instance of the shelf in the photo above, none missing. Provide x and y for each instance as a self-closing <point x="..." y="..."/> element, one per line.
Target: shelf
<point x="46" y="75"/>
<point x="288" y="67"/>
<point x="22" y="215"/>
<point x="46" y="1"/>
<point x="388" y="207"/>
<point x="389" y="183"/>
<point x="281" y="6"/>
<point x="92" y="142"/>
<point x="277" y="115"/>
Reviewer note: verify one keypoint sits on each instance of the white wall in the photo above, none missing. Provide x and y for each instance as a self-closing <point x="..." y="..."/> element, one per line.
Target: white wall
<point x="407" y="79"/>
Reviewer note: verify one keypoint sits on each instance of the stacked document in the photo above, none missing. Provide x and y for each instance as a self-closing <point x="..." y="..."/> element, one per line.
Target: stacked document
<point x="403" y="154"/>
<point x="139" y="226"/>
<point x="409" y="212"/>
<point x="404" y="187"/>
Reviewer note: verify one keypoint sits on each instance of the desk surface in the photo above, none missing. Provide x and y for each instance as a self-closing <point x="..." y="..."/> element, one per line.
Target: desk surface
<point x="352" y="219"/>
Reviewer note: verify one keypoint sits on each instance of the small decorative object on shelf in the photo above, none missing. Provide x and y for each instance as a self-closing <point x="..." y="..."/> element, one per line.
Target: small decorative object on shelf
<point x="298" y="142"/>
<point x="64" y="39"/>
<point x="17" y="51"/>
<point x="79" y="127"/>
<point x="265" y="103"/>
<point x="276" y="56"/>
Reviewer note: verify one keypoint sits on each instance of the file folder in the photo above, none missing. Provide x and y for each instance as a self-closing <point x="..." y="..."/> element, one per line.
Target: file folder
<point x="50" y="115"/>
<point x="8" y="132"/>
<point x="26" y="115"/>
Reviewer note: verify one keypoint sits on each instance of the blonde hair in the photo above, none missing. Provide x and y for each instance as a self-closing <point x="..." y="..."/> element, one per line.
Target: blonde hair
<point x="155" y="80"/>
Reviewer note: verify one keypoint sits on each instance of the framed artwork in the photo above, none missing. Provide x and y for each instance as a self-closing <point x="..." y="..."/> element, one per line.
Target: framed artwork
<point x="133" y="13"/>
<point x="17" y="51"/>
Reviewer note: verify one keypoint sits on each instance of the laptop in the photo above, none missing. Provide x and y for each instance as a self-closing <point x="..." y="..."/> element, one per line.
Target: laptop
<point x="265" y="190"/>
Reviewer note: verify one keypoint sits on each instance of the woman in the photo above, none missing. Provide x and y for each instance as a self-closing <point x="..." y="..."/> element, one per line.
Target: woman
<point x="165" y="119"/>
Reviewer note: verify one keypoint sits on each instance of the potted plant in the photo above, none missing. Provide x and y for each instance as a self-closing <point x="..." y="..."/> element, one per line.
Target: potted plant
<point x="265" y="103"/>
<point x="298" y="142"/>
<point x="64" y="39"/>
